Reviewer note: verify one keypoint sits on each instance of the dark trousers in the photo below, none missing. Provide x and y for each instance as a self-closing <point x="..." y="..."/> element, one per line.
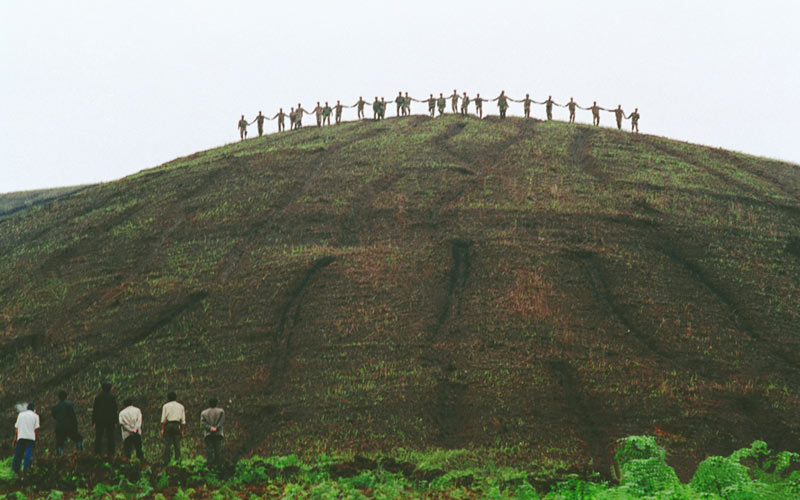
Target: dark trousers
<point x="172" y="441"/>
<point x="133" y="443"/>
<point x="213" y="450"/>
<point x="63" y="434"/>
<point x="24" y="449"/>
<point x="104" y="432"/>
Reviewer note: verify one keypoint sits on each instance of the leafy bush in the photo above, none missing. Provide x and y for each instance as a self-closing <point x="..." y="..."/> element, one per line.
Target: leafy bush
<point x="638" y="447"/>
<point x="718" y="475"/>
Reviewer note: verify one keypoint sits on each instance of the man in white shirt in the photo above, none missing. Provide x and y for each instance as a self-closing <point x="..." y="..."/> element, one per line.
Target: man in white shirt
<point x="173" y="424"/>
<point x="130" y="422"/>
<point x="26" y="430"/>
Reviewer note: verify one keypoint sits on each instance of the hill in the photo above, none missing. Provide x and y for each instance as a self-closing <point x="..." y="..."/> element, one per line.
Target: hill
<point x="532" y="290"/>
<point x="14" y="203"/>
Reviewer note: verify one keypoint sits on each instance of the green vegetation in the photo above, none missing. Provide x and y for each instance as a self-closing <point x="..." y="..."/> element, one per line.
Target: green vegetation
<point x="528" y="291"/>
<point x="749" y="473"/>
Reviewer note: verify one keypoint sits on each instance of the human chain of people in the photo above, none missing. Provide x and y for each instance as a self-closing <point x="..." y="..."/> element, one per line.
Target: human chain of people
<point x="459" y="104"/>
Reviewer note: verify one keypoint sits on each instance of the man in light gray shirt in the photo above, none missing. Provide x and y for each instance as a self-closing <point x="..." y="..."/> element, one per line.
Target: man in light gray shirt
<point x="130" y="422"/>
<point x="212" y="419"/>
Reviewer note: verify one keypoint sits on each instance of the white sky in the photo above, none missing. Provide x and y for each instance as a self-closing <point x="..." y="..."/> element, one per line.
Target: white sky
<point x="95" y="90"/>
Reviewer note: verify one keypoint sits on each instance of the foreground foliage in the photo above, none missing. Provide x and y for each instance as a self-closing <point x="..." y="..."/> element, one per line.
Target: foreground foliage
<point x="749" y="473"/>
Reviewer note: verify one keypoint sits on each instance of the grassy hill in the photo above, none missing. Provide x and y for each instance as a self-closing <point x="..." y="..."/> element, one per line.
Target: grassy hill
<point x="531" y="290"/>
<point x="14" y="203"/>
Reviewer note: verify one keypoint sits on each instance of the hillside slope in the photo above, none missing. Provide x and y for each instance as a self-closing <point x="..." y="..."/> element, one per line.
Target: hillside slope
<point x="534" y="289"/>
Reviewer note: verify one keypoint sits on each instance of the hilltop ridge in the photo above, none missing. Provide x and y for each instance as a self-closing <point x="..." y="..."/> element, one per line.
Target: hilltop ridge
<point x="534" y="287"/>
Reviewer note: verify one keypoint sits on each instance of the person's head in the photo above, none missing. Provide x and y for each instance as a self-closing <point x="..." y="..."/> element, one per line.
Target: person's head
<point x="400" y="93"/>
<point x="570" y="99"/>
<point x="455" y="91"/>
<point x="106" y="385"/>
<point x="242" y="117"/>
<point x="326" y="103"/>
<point x="292" y="109"/>
<point x="619" y="106"/>
<point x="636" y="110"/>
<point x="479" y="94"/>
<point x="527" y="96"/>
<point x="280" y="110"/>
<point x="465" y="93"/>
<point x="337" y="102"/>
<point x="431" y="95"/>
<point x="128" y="402"/>
<point x="212" y="403"/>
<point x="31" y="406"/>
<point x="62" y="395"/>
<point x="595" y="103"/>
<point x="259" y="113"/>
<point x="172" y="396"/>
<point x="502" y="92"/>
<point x="549" y="97"/>
<point x="406" y="93"/>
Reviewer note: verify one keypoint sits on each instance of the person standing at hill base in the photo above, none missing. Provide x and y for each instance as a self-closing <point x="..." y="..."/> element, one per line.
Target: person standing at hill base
<point x="130" y="422"/>
<point x="104" y="419"/>
<point x="280" y="115"/>
<point x="479" y="105"/>
<point x="212" y="419"/>
<point x="571" y="105"/>
<point x="634" y="120"/>
<point x="173" y="427"/>
<point x="502" y="103"/>
<point x="465" y="104"/>
<point x="66" y="425"/>
<point x="242" y="128"/>
<point x="26" y="432"/>
<point x="619" y="115"/>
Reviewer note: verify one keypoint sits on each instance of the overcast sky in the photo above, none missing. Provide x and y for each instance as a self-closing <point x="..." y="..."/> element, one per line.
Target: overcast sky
<point x="95" y="90"/>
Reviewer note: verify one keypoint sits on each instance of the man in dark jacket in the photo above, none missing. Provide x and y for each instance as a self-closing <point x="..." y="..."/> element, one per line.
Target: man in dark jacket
<point x="66" y="425"/>
<point x="104" y="419"/>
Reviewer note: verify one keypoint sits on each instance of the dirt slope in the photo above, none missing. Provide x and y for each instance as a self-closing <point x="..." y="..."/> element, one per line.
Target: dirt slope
<point x="541" y="289"/>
